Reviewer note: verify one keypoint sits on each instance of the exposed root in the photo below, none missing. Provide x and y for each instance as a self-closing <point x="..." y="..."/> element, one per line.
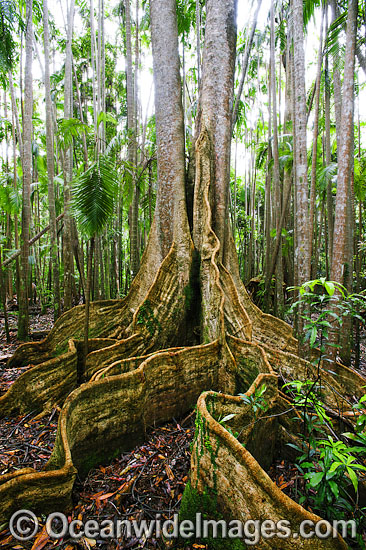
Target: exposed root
<point x="143" y="367"/>
<point x="229" y="470"/>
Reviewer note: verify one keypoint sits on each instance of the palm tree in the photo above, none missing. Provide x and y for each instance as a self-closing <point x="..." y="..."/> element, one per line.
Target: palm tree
<point x="92" y="204"/>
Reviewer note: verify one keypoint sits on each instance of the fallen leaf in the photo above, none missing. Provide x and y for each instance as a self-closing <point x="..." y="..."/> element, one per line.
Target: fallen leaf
<point x="41" y="540"/>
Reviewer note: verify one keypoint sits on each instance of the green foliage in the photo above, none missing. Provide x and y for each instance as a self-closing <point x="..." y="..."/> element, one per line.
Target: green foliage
<point x="316" y="295"/>
<point x="10" y="198"/>
<point x="94" y="196"/>
<point x="332" y="44"/>
<point x="329" y="467"/>
<point x="256" y="400"/>
<point x="9" y="20"/>
<point x="70" y="129"/>
<point x="186" y="14"/>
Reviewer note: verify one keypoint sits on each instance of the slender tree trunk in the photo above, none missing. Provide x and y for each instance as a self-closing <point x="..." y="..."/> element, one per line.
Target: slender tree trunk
<point x="15" y="113"/>
<point x="328" y="150"/>
<point x="101" y="75"/>
<point x="315" y="146"/>
<point x="87" y="301"/>
<point x="93" y="64"/>
<point x="51" y="167"/>
<point x="245" y="63"/>
<point x="198" y="42"/>
<point x="279" y="298"/>
<point x="287" y="178"/>
<point x="345" y="159"/>
<point x="15" y="184"/>
<point x="23" y="319"/>
<point x="301" y="166"/>
<point x="68" y="164"/>
<point x="3" y="300"/>
<point x="337" y="85"/>
<point x="81" y="114"/>
<point x="131" y="127"/>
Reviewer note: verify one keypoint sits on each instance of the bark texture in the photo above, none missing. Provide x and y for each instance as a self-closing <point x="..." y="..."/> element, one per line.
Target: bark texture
<point x="186" y="326"/>
<point x="23" y="319"/>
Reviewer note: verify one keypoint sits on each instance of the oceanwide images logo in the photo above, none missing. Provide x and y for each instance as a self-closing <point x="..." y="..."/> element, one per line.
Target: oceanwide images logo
<point x="24" y="525"/>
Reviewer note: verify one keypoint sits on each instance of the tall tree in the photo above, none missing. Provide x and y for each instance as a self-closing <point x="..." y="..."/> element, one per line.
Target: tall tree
<point x="23" y="319"/>
<point x="132" y="145"/>
<point x="340" y="265"/>
<point x="68" y="257"/>
<point x="279" y="299"/>
<point x="302" y="262"/>
<point x="51" y="164"/>
<point x="315" y="146"/>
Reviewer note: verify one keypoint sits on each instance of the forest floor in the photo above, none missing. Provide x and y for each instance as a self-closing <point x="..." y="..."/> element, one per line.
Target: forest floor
<point x="138" y="485"/>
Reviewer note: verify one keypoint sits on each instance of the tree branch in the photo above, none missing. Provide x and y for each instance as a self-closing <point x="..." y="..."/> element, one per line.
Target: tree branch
<point x="32" y="241"/>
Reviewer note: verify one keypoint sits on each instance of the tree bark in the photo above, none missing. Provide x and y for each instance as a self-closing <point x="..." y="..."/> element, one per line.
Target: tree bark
<point x="23" y="319"/>
<point x="345" y="157"/>
<point x="328" y="150"/>
<point x="68" y="166"/>
<point x="132" y="147"/>
<point x="169" y="125"/>
<point x="215" y="110"/>
<point x="51" y="167"/>
<point x="315" y="146"/>
<point x="301" y="166"/>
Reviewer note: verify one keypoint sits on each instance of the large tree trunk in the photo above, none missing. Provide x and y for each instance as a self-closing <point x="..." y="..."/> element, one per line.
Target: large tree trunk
<point x="186" y="297"/>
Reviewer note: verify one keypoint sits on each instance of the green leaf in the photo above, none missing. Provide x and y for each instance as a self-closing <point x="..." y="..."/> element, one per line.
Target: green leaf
<point x="329" y="287"/>
<point x="313" y="336"/>
<point x="316" y="479"/>
<point x="334" y="466"/>
<point x="334" y="488"/>
<point x="227" y="418"/>
<point x="353" y="478"/>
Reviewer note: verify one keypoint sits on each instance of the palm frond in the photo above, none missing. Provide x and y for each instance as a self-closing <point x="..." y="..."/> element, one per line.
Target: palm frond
<point x="326" y="174"/>
<point x="309" y="9"/>
<point x="68" y="129"/>
<point x="94" y="196"/>
<point x="332" y="46"/>
<point x="261" y="156"/>
<point x="8" y="18"/>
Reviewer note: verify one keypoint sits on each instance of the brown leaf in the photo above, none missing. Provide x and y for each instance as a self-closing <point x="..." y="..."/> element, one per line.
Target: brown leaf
<point x="107" y="495"/>
<point x="41" y="540"/>
<point x="169" y="472"/>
